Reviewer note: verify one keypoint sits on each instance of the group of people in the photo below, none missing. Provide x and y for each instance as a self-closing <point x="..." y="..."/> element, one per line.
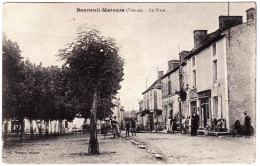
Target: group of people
<point x="190" y="123"/>
<point x="220" y="125"/>
<point x="195" y="119"/>
<point x="130" y="124"/>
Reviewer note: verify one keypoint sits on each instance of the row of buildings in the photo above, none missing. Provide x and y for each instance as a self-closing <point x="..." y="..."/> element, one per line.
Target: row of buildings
<point x="216" y="79"/>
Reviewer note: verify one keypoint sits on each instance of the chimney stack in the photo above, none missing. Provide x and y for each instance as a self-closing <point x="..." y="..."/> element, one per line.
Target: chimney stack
<point x="182" y="55"/>
<point x="226" y="22"/>
<point x="172" y="64"/>
<point x="250" y="14"/>
<point x="199" y="35"/>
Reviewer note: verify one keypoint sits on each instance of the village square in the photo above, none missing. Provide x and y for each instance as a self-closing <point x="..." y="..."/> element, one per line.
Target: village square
<point x="96" y="104"/>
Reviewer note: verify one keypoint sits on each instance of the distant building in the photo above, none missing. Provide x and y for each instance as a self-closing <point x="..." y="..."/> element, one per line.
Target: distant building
<point x="130" y="114"/>
<point x="140" y="119"/>
<point x="152" y="105"/>
<point x="170" y="91"/>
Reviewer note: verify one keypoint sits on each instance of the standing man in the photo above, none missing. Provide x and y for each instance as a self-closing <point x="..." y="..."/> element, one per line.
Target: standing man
<point x="194" y="124"/>
<point x="127" y="125"/>
<point x="247" y="124"/>
<point x="133" y="127"/>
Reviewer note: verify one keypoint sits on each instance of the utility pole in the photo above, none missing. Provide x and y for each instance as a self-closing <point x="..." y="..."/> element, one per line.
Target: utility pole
<point x="228" y="28"/>
<point x="146" y="84"/>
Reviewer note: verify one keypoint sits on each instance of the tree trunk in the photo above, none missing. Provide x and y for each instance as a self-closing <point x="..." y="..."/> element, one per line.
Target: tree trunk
<point x="21" y="130"/>
<point x="51" y="126"/>
<point x="31" y="129"/>
<point x="17" y="127"/>
<point x="60" y="126"/>
<point x="93" y="147"/>
<point x="40" y="128"/>
<point x="47" y="128"/>
<point x="6" y="129"/>
<point x="55" y="127"/>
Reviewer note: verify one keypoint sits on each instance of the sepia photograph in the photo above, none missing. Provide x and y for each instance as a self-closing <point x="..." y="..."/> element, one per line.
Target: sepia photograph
<point x="129" y="83"/>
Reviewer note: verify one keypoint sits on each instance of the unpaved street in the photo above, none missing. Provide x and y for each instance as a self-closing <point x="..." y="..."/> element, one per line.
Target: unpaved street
<point x="73" y="149"/>
<point x="178" y="148"/>
<point x="174" y="148"/>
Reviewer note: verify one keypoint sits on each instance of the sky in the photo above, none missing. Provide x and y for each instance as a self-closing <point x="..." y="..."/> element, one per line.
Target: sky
<point x="147" y="40"/>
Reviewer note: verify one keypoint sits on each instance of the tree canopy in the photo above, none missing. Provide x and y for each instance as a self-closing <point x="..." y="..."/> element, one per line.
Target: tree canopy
<point x="85" y="84"/>
<point x="96" y="70"/>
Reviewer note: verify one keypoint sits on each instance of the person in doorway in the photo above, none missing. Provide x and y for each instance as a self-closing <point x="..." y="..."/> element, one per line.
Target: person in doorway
<point x="127" y="127"/>
<point x="174" y="124"/>
<point x="247" y="124"/>
<point x="194" y="124"/>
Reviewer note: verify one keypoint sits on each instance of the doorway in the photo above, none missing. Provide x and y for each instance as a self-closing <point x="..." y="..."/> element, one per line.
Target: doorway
<point x="205" y="110"/>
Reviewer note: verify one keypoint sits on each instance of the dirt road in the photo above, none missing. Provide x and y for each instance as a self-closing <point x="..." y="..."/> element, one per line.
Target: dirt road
<point x="73" y="149"/>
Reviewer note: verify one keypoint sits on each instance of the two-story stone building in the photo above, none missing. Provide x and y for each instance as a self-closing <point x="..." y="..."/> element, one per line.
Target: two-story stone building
<point x="152" y="105"/>
<point x="170" y="97"/>
<point x="221" y="71"/>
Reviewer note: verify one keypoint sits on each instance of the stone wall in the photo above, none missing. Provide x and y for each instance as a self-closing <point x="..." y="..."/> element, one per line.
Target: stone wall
<point x="241" y="70"/>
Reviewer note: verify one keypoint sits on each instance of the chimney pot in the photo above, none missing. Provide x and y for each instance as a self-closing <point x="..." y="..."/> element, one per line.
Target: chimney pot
<point x="199" y="35"/>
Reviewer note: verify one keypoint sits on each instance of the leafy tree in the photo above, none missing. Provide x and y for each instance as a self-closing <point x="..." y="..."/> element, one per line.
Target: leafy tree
<point x="34" y="92"/>
<point x="31" y="111"/>
<point x="12" y="78"/>
<point x="15" y="91"/>
<point x="97" y="69"/>
<point x="104" y="108"/>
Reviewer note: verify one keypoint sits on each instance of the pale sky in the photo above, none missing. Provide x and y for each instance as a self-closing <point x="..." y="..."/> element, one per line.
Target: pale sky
<point x="147" y="40"/>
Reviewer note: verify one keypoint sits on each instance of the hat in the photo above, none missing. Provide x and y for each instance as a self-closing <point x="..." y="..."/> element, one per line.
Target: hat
<point x="245" y="112"/>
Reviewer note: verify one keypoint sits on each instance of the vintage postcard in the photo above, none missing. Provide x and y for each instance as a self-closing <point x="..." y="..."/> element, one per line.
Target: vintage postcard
<point x="129" y="83"/>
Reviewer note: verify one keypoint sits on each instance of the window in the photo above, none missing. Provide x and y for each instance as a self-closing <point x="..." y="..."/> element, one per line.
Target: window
<point x="193" y="61"/>
<point x="194" y="78"/>
<point x="214" y="49"/>
<point x="169" y="87"/>
<point x="215" y="71"/>
<point x="215" y="106"/>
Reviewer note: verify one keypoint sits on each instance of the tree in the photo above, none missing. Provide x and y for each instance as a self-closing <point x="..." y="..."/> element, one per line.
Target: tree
<point x="33" y="91"/>
<point x="15" y="90"/>
<point x="95" y="64"/>
<point x="31" y="112"/>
